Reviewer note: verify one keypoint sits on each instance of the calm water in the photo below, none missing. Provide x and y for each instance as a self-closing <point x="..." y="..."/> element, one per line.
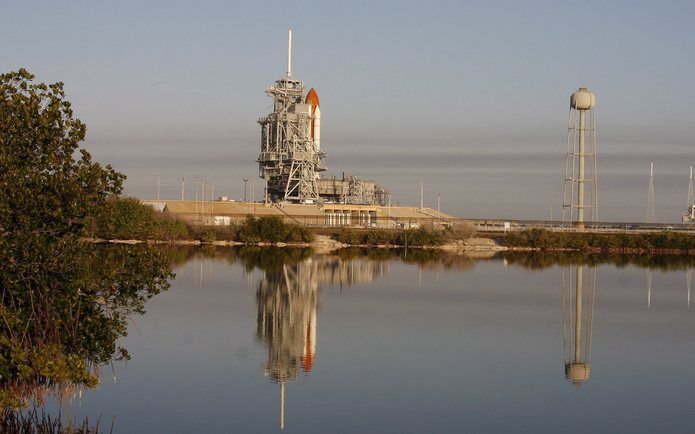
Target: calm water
<point x="316" y="343"/>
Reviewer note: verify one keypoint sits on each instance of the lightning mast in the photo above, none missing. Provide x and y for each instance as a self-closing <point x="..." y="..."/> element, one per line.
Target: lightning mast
<point x="690" y="188"/>
<point x="651" y="207"/>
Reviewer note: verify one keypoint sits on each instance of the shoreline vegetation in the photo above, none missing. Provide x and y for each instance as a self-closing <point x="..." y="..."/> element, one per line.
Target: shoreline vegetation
<point x="127" y="221"/>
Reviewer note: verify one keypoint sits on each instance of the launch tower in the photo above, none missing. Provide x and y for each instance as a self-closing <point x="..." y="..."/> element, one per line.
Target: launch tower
<point x="291" y="158"/>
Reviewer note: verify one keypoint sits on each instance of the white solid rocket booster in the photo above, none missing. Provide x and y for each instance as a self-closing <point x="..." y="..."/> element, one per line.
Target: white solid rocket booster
<point x="317" y="128"/>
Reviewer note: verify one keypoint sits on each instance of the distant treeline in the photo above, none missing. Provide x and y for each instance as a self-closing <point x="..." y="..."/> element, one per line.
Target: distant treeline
<point x="129" y="219"/>
<point x="420" y="237"/>
<point x="655" y="242"/>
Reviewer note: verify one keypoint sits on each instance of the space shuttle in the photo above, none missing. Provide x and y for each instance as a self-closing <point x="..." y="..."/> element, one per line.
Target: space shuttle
<point x="312" y="98"/>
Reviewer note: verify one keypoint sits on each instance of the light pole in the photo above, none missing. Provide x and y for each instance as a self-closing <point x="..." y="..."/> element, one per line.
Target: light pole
<point x="245" y="181"/>
<point x="196" y="197"/>
<point x="439" y="215"/>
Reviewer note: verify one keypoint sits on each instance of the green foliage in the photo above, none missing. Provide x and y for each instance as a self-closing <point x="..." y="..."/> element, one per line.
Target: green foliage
<point x="348" y="236"/>
<point x="377" y="238"/>
<point x="208" y="235"/>
<point x="420" y="237"/>
<point x="411" y="237"/>
<point x="128" y="218"/>
<point x="272" y="229"/>
<point x="656" y="241"/>
<point x="44" y="189"/>
<point x="65" y="306"/>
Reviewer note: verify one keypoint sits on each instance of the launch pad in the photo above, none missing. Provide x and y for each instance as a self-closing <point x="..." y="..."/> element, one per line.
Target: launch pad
<point x="291" y="159"/>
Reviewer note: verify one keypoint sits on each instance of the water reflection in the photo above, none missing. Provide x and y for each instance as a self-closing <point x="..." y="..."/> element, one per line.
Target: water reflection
<point x="65" y="307"/>
<point x="287" y="301"/>
<point x="95" y="291"/>
<point x="650" y="285"/>
<point x="578" y="297"/>
<point x="688" y="288"/>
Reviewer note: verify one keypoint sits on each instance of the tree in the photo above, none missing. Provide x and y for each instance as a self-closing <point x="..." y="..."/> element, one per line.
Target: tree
<point x="49" y="187"/>
<point x="62" y="319"/>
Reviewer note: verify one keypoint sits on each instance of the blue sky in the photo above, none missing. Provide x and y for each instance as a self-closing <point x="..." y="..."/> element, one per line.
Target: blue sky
<point x="471" y="97"/>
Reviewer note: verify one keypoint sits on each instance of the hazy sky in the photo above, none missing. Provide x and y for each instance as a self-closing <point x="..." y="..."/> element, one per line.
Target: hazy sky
<point x="471" y="97"/>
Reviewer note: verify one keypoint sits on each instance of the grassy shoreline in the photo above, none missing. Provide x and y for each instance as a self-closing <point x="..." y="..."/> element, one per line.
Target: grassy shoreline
<point x="127" y="221"/>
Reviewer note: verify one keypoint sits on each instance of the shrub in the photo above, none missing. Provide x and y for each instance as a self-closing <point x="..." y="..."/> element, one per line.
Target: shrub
<point x="376" y="238"/>
<point x="272" y="229"/>
<point x="348" y="236"/>
<point x="543" y="239"/>
<point x="459" y="231"/>
<point x="420" y="237"/>
<point x="128" y="218"/>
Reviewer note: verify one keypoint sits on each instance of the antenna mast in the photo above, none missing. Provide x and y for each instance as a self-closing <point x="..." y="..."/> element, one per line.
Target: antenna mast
<point x="690" y="188"/>
<point x="289" y="53"/>
<point x="651" y="207"/>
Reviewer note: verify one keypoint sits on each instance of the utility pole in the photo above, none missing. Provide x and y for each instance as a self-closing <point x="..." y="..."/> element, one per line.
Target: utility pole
<point x="253" y="198"/>
<point x="690" y="189"/>
<point x="439" y="197"/>
<point x="422" y="198"/>
<point x="157" y="186"/>
<point x="202" y="200"/>
<point x="183" y="188"/>
<point x="196" y="197"/>
<point x="245" y="181"/>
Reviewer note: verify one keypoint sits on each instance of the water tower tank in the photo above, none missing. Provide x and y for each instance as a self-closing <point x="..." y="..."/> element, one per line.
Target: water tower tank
<point x="577" y="373"/>
<point x="582" y="99"/>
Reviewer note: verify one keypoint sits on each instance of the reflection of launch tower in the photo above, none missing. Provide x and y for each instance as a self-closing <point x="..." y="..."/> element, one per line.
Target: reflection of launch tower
<point x="286" y="321"/>
<point x="287" y="303"/>
<point x="577" y="317"/>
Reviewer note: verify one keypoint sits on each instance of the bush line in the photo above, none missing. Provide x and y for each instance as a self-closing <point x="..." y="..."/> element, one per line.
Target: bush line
<point x="541" y="239"/>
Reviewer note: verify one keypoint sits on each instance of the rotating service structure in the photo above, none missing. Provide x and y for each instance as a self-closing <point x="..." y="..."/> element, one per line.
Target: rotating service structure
<point x="291" y="159"/>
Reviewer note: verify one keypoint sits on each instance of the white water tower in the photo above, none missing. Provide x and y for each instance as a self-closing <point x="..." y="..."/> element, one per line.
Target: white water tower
<point x="580" y="161"/>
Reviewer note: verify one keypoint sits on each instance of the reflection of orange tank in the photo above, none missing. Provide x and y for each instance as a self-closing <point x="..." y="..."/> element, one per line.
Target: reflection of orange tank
<point x="313" y="98"/>
<point x="309" y="354"/>
<point x="308" y="357"/>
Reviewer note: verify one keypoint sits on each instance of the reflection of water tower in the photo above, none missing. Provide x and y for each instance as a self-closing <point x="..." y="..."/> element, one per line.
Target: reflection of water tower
<point x="577" y="317"/>
<point x="580" y="161"/>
